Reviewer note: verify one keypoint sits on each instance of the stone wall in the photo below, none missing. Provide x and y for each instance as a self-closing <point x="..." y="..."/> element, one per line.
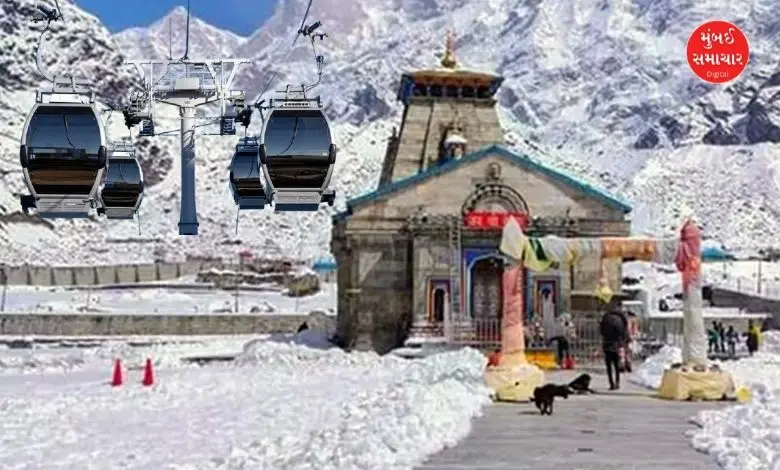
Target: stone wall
<point x="750" y="303"/>
<point x="374" y="290"/>
<point x="425" y="122"/>
<point x="103" y="275"/>
<point x="128" y="325"/>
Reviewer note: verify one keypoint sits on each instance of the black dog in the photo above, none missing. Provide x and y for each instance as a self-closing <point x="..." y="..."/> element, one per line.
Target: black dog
<point x="545" y="396"/>
<point x="581" y="385"/>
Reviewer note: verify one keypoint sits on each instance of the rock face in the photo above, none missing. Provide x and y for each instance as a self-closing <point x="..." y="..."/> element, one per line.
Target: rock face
<point x="600" y="89"/>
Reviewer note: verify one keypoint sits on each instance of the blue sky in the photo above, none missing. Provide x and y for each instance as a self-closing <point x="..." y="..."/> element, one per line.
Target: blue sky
<point x="240" y="16"/>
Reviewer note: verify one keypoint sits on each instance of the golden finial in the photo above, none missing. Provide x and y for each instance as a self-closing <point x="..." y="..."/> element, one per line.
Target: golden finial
<point x="449" y="61"/>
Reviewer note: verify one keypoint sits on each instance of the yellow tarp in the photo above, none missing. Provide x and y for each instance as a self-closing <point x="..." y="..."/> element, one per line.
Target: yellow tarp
<point x="684" y="383"/>
<point x="515" y="382"/>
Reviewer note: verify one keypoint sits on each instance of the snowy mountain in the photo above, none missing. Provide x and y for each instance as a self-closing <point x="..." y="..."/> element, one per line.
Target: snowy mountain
<point x="601" y="89"/>
<point x="154" y="41"/>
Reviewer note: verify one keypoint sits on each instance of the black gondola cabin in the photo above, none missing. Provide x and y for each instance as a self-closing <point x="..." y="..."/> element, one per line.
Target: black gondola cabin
<point x="246" y="182"/>
<point x="123" y="188"/>
<point x="63" y="156"/>
<point x="298" y="155"/>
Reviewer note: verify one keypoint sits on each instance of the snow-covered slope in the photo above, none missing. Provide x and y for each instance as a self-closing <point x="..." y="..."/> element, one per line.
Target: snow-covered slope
<point x="601" y="89"/>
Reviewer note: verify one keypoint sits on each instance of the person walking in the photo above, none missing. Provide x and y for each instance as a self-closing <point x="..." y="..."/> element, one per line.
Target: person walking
<point x="722" y="337"/>
<point x="614" y="336"/>
<point x="731" y="338"/>
<point x="712" y="338"/>
<point x="562" y="335"/>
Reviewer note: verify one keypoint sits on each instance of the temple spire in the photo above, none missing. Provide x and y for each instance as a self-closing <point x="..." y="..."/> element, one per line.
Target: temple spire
<point x="449" y="61"/>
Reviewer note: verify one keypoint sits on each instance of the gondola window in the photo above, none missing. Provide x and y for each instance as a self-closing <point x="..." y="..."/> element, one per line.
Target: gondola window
<point x="297" y="143"/>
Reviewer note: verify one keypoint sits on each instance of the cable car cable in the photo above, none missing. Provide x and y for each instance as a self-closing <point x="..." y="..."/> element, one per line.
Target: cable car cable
<point x="49" y="16"/>
<point x="284" y="59"/>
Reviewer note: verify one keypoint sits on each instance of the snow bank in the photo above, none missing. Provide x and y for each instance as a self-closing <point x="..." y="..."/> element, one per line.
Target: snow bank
<point x="740" y="437"/>
<point x="282" y="406"/>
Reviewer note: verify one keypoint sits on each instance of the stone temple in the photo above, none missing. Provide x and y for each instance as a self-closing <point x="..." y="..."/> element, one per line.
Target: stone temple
<point x="419" y="255"/>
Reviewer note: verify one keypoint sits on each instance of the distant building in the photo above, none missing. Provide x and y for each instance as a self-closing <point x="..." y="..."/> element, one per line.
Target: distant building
<point x="420" y="253"/>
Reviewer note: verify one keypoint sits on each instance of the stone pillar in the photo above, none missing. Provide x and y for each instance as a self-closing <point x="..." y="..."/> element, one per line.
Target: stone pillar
<point x="512" y="332"/>
<point x="688" y="262"/>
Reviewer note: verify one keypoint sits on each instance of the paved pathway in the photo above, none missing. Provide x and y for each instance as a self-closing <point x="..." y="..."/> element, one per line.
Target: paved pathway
<point x="625" y="430"/>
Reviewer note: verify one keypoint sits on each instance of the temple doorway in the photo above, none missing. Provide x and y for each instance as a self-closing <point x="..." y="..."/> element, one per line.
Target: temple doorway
<point x="487" y="296"/>
<point x="439" y="304"/>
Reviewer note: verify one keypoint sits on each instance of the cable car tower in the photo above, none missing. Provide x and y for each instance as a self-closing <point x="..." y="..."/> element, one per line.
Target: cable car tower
<point x="187" y="84"/>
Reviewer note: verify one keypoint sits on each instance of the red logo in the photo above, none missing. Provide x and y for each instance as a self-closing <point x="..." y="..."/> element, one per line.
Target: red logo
<point x="718" y="51"/>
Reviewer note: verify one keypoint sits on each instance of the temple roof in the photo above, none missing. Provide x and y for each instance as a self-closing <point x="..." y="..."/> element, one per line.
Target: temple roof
<point x="449" y="74"/>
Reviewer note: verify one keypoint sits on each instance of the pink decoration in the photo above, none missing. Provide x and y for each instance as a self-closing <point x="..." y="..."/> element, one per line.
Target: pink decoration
<point x="688" y="259"/>
<point x="512" y="334"/>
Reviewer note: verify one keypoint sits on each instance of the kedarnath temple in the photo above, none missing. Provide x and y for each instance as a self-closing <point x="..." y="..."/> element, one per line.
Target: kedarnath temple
<point x="420" y="253"/>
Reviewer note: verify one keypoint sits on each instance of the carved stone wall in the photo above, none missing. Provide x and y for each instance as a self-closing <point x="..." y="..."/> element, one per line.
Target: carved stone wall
<point x="375" y="290"/>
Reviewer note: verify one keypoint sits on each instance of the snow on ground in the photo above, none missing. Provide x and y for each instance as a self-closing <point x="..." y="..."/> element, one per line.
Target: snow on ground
<point x="740" y="437"/>
<point x="171" y="301"/>
<point x="164" y="352"/>
<point x="282" y="406"/>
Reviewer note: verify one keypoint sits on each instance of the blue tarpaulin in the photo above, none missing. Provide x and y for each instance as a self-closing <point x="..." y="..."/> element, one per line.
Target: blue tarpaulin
<point x="714" y="253"/>
<point x="324" y="265"/>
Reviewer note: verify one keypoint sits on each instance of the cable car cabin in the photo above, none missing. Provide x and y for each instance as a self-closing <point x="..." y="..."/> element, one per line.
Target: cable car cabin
<point x="246" y="182"/>
<point x="297" y="155"/>
<point x="63" y="156"/>
<point x="122" y="190"/>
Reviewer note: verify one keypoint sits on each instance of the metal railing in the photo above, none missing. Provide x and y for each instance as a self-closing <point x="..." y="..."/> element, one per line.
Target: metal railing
<point x="585" y="346"/>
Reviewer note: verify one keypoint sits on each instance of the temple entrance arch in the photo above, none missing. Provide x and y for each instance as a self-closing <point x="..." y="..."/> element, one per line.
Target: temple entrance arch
<point x="492" y="203"/>
<point x="494" y="197"/>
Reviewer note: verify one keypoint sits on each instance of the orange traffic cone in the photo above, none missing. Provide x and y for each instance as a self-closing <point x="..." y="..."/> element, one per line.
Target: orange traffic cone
<point x="148" y="380"/>
<point x="116" y="380"/>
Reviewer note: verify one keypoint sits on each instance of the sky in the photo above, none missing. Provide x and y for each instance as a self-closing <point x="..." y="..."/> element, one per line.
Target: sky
<point x="242" y="17"/>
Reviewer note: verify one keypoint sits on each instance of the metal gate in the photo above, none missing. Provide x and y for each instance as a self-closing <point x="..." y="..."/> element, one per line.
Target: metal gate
<point x="486" y="298"/>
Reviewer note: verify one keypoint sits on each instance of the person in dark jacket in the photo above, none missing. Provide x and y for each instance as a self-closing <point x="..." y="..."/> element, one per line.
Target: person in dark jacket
<point x="614" y="336"/>
<point x="731" y="338"/>
<point x="722" y="333"/>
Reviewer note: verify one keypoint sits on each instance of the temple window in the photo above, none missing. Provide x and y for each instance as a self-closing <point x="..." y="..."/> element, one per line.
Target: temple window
<point x="452" y="91"/>
<point x="483" y="92"/>
<point x="436" y="91"/>
<point x="467" y="92"/>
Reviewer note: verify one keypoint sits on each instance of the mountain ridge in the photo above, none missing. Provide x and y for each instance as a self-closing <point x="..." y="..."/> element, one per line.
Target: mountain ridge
<point x="599" y="90"/>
